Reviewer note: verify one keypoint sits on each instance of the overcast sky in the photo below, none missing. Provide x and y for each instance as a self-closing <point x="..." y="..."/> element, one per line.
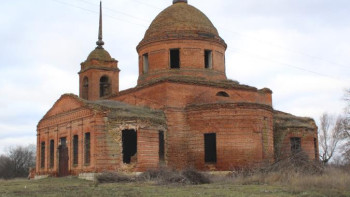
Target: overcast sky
<point x="299" y="49"/>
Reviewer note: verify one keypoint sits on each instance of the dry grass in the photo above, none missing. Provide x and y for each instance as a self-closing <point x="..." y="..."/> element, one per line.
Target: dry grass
<point x="162" y="176"/>
<point x="333" y="178"/>
<point x="298" y="174"/>
<point x="333" y="182"/>
<point x="114" y="177"/>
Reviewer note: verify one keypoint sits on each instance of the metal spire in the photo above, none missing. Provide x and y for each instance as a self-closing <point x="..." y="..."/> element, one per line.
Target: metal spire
<point x="100" y="42"/>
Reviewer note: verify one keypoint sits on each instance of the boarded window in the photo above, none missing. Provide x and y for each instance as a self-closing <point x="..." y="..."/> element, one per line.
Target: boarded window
<point x="175" y="58"/>
<point x="85" y="88"/>
<point x="105" y="86"/>
<point x="161" y="146"/>
<point x="129" y="138"/>
<point x="75" y="149"/>
<point x="210" y="147"/>
<point x="223" y="94"/>
<point x="295" y="144"/>
<point x="208" y="58"/>
<point x="87" y="148"/>
<point x="145" y="62"/>
<point x="52" y="153"/>
<point x="42" y="152"/>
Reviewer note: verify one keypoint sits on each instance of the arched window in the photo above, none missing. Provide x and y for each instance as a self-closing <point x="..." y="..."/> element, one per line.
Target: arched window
<point x="223" y="94"/>
<point x="175" y="58"/>
<point x="105" y="86"/>
<point x="208" y="59"/>
<point x="145" y="63"/>
<point x="87" y="147"/>
<point x="85" y="93"/>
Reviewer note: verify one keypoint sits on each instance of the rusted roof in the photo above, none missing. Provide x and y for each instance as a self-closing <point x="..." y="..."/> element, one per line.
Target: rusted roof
<point x="120" y="110"/>
<point x="285" y="120"/>
<point x="181" y="20"/>
<point x="99" y="54"/>
<point x="113" y="110"/>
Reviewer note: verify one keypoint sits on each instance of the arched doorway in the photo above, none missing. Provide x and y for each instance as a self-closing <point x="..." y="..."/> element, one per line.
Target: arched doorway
<point x="63" y="158"/>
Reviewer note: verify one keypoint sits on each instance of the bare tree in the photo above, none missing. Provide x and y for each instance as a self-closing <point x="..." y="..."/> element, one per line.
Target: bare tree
<point x="330" y="135"/>
<point x="347" y="112"/>
<point x="5" y="167"/>
<point x="346" y="133"/>
<point x="17" y="162"/>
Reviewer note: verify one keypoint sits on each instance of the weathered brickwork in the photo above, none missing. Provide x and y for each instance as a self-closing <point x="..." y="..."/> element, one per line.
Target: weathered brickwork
<point x="191" y="60"/>
<point x="240" y="131"/>
<point x="189" y="116"/>
<point x="287" y="126"/>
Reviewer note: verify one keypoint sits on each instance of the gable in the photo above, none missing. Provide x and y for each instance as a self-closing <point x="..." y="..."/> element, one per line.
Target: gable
<point x="65" y="103"/>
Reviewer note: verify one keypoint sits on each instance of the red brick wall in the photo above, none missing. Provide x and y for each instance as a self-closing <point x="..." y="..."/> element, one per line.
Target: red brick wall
<point x="240" y="134"/>
<point x="94" y="76"/>
<point x="56" y="128"/>
<point x="67" y="119"/>
<point x="307" y="142"/>
<point x="147" y="149"/>
<point x="191" y="60"/>
<point x="185" y="129"/>
<point x="166" y="94"/>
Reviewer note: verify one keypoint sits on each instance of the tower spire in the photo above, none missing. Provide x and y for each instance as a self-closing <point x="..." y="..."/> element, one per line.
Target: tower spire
<point x="100" y="42"/>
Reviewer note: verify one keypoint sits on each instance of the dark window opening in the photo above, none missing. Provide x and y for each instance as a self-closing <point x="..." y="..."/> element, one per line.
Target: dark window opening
<point x="85" y="93"/>
<point x="75" y="149"/>
<point x="316" y="149"/>
<point x="87" y="148"/>
<point x="161" y="146"/>
<point x="129" y="138"/>
<point x="145" y="62"/>
<point x="42" y="164"/>
<point x="174" y="58"/>
<point x="210" y="147"/>
<point x="208" y="58"/>
<point x="52" y="153"/>
<point x="295" y="144"/>
<point x="223" y="94"/>
<point x="105" y="86"/>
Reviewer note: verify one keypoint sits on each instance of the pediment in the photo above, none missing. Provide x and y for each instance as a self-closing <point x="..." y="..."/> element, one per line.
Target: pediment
<point x="66" y="103"/>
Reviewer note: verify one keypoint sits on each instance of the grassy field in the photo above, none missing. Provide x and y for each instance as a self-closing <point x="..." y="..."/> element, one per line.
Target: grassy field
<point x="71" y="186"/>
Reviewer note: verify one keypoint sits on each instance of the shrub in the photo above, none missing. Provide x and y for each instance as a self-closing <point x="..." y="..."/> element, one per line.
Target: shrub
<point x="113" y="177"/>
<point x="195" y="177"/>
<point x="168" y="176"/>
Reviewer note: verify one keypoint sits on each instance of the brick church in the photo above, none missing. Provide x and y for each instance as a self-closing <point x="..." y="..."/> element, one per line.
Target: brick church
<point x="183" y="113"/>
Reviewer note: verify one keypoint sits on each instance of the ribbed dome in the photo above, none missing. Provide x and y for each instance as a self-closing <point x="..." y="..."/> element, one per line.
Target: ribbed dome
<point x="99" y="54"/>
<point x="180" y="18"/>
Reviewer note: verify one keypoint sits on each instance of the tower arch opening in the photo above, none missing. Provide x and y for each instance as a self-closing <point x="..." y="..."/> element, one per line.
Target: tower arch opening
<point x="105" y="86"/>
<point x="85" y="93"/>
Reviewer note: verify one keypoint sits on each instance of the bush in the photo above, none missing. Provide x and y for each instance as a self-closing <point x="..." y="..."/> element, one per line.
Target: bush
<point x="296" y="163"/>
<point x="113" y="177"/>
<point x="168" y="176"/>
<point x="195" y="177"/>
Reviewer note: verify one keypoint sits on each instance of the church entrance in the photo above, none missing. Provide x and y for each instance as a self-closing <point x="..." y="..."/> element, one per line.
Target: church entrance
<point x="129" y="138"/>
<point x="63" y="158"/>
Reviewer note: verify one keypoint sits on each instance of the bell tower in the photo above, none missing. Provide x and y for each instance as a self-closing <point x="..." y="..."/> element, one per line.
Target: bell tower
<point x="99" y="74"/>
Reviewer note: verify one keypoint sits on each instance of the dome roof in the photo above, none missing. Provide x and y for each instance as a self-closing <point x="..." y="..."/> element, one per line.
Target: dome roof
<point x="99" y="54"/>
<point x="183" y="20"/>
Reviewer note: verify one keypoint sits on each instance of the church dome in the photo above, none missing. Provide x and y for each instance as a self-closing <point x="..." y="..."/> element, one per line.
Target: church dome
<point x="181" y="20"/>
<point x="99" y="54"/>
<point x="180" y="43"/>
